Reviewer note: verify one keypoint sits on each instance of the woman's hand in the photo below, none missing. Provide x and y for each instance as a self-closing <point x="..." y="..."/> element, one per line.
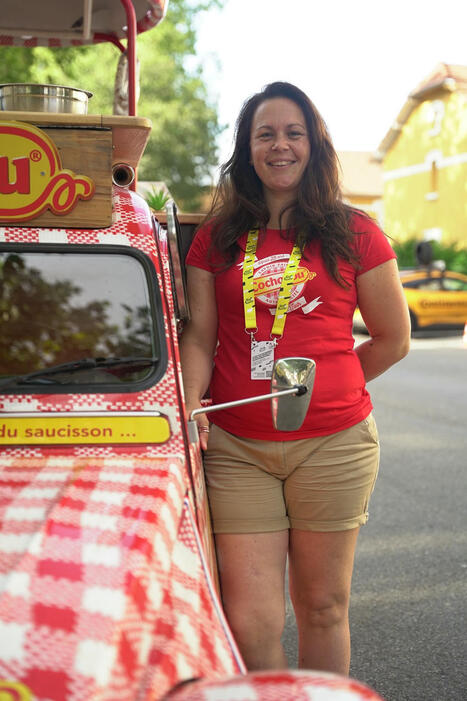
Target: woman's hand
<point x="203" y="430"/>
<point x="203" y="425"/>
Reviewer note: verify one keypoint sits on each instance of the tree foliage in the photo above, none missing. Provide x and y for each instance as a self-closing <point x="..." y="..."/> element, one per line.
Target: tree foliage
<point x="454" y="254"/>
<point x="182" y="149"/>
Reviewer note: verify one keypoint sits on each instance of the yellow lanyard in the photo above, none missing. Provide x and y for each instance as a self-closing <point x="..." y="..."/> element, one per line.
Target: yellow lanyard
<point x="284" y="292"/>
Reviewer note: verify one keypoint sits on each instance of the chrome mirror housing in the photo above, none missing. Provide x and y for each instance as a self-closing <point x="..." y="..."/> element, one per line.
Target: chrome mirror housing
<point x="289" y="410"/>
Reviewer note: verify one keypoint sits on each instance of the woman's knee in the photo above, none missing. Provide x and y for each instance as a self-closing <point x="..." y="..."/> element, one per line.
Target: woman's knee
<point x="256" y="620"/>
<point x="321" y="609"/>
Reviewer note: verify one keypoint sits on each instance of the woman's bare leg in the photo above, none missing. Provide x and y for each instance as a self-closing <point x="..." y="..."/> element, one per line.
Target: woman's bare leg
<point x="320" y="568"/>
<point x="252" y="572"/>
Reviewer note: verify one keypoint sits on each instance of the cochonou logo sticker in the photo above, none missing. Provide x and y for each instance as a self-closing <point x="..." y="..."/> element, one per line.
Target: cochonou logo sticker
<point x="31" y="175"/>
<point x="268" y="278"/>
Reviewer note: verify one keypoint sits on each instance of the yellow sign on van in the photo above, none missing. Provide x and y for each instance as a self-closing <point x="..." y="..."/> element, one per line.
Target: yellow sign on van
<point x="71" y="430"/>
<point x="31" y="175"/>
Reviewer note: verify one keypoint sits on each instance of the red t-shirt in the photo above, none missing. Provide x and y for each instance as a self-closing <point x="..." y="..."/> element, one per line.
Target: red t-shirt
<point x="318" y="326"/>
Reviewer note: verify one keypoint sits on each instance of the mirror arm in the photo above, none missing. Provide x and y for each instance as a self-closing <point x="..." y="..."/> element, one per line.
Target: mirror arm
<point x="299" y="390"/>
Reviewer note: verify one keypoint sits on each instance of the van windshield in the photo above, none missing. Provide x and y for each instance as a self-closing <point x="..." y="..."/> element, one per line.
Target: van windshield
<point x="60" y="308"/>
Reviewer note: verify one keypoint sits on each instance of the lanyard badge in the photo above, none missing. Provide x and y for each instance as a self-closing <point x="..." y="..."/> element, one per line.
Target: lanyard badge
<point x="262" y="352"/>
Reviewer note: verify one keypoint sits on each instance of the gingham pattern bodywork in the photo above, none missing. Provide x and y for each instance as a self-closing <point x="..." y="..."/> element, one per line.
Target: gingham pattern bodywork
<point x="103" y="592"/>
<point x="104" y="588"/>
<point x="275" y="686"/>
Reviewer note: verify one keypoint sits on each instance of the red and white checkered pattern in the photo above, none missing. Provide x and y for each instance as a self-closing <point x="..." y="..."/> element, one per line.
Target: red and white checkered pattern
<point x="103" y="589"/>
<point x="284" y="685"/>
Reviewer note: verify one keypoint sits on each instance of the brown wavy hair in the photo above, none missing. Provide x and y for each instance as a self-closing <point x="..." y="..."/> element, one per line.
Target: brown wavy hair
<point x="318" y="212"/>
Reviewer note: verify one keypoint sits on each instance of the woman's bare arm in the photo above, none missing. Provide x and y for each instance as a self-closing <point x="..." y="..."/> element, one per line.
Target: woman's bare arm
<point x="384" y="310"/>
<point x="198" y="341"/>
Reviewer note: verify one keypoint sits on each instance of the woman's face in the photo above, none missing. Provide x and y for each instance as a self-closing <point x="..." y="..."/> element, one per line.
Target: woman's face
<point x="279" y="146"/>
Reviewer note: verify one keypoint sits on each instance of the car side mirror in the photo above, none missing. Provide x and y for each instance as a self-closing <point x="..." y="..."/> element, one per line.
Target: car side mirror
<point x="289" y="410"/>
<point x="291" y="387"/>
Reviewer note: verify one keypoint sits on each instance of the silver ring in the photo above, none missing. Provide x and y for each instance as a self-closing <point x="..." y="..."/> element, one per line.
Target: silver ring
<point x="204" y="429"/>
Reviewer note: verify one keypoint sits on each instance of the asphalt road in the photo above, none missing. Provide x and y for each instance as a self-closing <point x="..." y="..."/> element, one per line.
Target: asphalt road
<point x="409" y="595"/>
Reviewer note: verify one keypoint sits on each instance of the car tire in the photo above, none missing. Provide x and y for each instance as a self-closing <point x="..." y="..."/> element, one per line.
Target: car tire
<point x="413" y="321"/>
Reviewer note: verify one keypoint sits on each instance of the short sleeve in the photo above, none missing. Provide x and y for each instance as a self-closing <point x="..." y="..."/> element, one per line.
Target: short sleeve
<point x="199" y="254"/>
<point x="372" y="245"/>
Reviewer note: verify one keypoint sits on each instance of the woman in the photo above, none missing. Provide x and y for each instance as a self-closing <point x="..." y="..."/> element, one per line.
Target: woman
<point x="278" y="214"/>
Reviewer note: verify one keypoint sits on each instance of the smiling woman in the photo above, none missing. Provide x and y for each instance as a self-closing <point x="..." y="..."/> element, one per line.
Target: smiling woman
<point x="277" y="270"/>
<point x="280" y="151"/>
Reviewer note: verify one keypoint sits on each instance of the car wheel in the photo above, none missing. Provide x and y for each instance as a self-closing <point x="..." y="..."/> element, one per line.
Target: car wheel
<point x="413" y="321"/>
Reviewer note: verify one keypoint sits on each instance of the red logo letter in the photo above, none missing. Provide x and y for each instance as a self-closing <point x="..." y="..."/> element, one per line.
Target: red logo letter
<point x="22" y="184"/>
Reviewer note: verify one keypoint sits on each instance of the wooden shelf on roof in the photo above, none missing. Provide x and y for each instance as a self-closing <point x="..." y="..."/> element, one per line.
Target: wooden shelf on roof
<point x="88" y="145"/>
<point x="129" y="134"/>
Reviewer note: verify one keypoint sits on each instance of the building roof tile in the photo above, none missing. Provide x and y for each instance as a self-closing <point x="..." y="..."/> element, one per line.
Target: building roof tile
<point x="444" y="75"/>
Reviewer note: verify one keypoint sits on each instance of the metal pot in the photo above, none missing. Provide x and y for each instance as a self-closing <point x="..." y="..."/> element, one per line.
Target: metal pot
<point x="32" y="97"/>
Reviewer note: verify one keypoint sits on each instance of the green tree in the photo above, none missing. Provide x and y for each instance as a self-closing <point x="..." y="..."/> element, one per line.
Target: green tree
<point x="182" y="149"/>
<point x="454" y="254"/>
<point x="183" y="146"/>
<point x="61" y="66"/>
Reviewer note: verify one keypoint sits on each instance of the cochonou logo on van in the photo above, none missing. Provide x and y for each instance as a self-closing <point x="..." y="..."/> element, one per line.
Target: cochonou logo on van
<point x="31" y="175"/>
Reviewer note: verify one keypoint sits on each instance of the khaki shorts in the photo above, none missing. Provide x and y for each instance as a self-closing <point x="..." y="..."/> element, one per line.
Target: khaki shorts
<point x="314" y="484"/>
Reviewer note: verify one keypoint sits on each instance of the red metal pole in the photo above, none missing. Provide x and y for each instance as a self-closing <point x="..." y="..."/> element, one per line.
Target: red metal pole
<point x="131" y="54"/>
<point x="98" y="36"/>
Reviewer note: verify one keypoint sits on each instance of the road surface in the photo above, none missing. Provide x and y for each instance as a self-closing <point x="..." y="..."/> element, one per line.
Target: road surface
<point x="409" y="600"/>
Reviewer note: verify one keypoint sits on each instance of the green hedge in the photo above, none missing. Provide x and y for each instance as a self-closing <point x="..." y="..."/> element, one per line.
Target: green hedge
<point x="453" y="254"/>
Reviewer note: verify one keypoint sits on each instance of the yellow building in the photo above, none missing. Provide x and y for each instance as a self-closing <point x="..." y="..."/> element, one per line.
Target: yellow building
<point x="424" y="160"/>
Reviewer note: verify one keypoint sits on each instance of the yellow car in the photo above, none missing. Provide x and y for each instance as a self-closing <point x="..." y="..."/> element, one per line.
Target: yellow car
<point x="435" y="298"/>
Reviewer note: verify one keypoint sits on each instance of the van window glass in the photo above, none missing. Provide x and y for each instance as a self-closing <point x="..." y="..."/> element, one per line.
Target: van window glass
<point x="62" y="307"/>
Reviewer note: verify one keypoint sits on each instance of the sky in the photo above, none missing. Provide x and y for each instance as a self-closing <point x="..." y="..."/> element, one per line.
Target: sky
<point x="357" y="60"/>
